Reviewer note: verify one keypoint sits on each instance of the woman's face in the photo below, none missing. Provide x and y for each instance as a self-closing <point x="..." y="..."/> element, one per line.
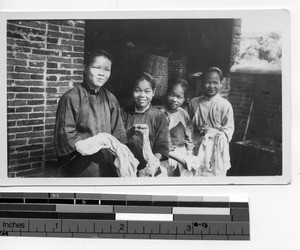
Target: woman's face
<point x="98" y="72"/>
<point x="143" y="94"/>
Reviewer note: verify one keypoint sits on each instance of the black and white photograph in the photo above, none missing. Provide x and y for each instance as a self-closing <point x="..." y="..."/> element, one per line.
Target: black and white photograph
<point x="137" y="98"/>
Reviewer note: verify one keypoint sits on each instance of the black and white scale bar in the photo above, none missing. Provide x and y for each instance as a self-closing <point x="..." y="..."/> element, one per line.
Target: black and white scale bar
<point x="125" y="229"/>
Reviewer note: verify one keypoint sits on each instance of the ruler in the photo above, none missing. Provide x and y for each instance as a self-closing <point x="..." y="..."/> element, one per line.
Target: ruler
<point x="90" y="215"/>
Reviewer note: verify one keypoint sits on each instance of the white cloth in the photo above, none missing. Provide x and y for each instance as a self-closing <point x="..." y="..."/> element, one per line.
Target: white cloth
<point x="213" y="155"/>
<point x="126" y="164"/>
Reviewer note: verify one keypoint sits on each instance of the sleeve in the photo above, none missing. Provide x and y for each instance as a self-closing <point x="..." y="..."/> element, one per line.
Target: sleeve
<point x="65" y="134"/>
<point x="188" y="133"/>
<point x="191" y="108"/>
<point x="117" y="125"/>
<point x="228" y="122"/>
<point x="161" y="143"/>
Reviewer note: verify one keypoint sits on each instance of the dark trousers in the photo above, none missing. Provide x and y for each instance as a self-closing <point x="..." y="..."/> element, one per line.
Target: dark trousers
<point x="96" y="165"/>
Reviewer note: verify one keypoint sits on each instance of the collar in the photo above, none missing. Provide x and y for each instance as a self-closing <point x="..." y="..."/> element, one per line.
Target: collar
<point x="91" y="91"/>
<point x="136" y="111"/>
<point x="204" y="97"/>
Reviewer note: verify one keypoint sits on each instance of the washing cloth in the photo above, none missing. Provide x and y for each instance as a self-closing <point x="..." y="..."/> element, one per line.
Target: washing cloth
<point x="125" y="163"/>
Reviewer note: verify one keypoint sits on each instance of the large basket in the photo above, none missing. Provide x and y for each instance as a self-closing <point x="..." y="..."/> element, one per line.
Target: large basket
<point x="177" y="65"/>
<point x="157" y="66"/>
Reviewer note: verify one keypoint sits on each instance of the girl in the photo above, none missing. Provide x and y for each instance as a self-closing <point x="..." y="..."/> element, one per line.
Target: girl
<point x="141" y="116"/>
<point x="213" y="123"/>
<point x="179" y="126"/>
<point x="85" y="111"/>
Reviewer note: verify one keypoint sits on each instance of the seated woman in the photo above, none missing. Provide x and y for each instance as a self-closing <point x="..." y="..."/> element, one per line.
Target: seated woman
<point x="142" y="119"/>
<point x="85" y="111"/>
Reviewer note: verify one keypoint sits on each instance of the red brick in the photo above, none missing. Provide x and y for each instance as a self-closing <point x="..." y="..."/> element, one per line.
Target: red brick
<point x="36" y="64"/>
<point x="18" y="155"/>
<point x="24" y="109"/>
<point x="50" y="114"/>
<point x="78" y="37"/>
<point x="17" y="116"/>
<point x="31" y="172"/>
<point x="59" y="84"/>
<point x="59" y="47"/>
<point x="50" y="121"/>
<point x="16" y="102"/>
<point x="80" y="24"/>
<point x="78" y="49"/>
<point x="52" y="65"/>
<point x="32" y="24"/>
<point x="49" y="127"/>
<point x="52" y="102"/>
<point x="36" y="57"/>
<point x="17" y="89"/>
<point x="36" y="153"/>
<point x="37" y="77"/>
<point x="11" y="110"/>
<point x="28" y="69"/>
<point x="45" y="52"/>
<point x="58" y="71"/>
<point x="33" y="89"/>
<point x="35" y="102"/>
<point x="38" y="128"/>
<point x="29" y="83"/>
<point x="78" y="60"/>
<point x="72" y="54"/>
<point x="19" y="168"/>
<point x="52" y="40"/>
<point x="17" y="76"/>
<point x="35" y="141"/>
<point x="65" y="78"/>
<point x="71" y="66"/>
<point x="78" y="72"/>
<point x="16" y="143"/>
<point x="59" y="35"/>
<point x="30" y="148"/>
<point x="36" y="115"/>
<point x="29" y="122"/>
<point x="49" y="139"/>
<point x="51" y="78"/>
<point x="51" y="108"/>
<point x="11" y="137"/>
<point x="53" y="27"/>
<point x="10" y="96"/>
<point x="29" y="44"/>
<point x="10" y="68"/>
<point x="19" y="129"/>
<point x="59" y="59"/>
<point x="37" y="38"/>
<point x="29" y="96"/>
<point x="40" y="108"/>
<point x="72" y="30"/>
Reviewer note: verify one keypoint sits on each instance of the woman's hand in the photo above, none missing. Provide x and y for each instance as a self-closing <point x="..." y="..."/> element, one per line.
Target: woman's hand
<point x="138" y="129"/>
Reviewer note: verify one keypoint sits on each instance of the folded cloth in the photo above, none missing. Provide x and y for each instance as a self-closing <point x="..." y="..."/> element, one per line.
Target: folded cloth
<point x="125" y="162"/>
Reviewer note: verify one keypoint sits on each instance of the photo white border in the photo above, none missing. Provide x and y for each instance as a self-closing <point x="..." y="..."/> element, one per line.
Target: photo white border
<point x="283" y="17"/>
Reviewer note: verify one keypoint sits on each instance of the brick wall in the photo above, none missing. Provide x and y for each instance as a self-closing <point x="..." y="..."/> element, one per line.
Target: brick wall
<point x="266" y="119"/>
<point x="44" y="60"/>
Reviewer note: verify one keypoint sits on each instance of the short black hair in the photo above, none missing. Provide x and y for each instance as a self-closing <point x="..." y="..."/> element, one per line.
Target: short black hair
<point x="178" y="81"/>
<point x="211" y="70"/>
<point x="92" y="55"/>
<point x="145" y="76"/>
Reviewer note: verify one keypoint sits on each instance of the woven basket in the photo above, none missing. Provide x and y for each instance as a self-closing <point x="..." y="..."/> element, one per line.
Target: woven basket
<point x="177" y="65"/>
<point x="157" y="66"/>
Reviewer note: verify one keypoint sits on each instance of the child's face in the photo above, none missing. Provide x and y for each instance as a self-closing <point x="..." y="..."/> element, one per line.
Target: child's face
<point x="143" y="94"/>
<point x="175" y="97"/>
<point x="212" y="84"/>
<point x="98" y="72"/>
